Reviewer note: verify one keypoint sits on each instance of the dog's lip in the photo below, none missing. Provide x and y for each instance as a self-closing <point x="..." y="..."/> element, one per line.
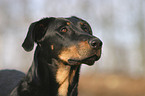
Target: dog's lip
<point x="82" y="59"/>
<point x="90" y="59"/>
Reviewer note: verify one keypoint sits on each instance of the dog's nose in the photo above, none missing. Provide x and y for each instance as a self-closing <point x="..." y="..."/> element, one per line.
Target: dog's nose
<point x="95" y="43"/>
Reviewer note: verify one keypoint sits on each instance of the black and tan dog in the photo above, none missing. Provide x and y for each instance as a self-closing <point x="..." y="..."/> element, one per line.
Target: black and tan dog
<point x="63" y="44"/>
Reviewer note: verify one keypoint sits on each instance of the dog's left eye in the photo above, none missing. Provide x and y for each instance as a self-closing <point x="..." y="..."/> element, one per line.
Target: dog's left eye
<point x="84" y="27"/>
<point x="63" y="29"/>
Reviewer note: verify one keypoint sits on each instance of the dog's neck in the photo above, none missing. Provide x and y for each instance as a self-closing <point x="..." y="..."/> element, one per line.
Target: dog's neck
<point x="54" y="76"/>
<point x="65" y="76"/>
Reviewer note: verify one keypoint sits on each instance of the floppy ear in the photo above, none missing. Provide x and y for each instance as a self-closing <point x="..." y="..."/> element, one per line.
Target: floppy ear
<point x="36" y="33"/>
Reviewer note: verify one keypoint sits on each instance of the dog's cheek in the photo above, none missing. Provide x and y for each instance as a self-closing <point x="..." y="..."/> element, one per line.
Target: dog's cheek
<point x="69" y="53"/>
<point x="84" y="49"/>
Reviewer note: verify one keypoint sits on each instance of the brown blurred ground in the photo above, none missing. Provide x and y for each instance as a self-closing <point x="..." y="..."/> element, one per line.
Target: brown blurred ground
<point x="111" y="85"/>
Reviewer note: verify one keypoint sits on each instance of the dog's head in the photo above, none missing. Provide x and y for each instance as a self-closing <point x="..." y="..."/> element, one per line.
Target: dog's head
<point x="68" y="40"/>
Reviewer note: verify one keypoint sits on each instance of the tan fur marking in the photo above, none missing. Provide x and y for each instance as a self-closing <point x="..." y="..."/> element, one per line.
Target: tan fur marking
<point x="67" y="53"/>
<point x="84" y="48"/>
<point x="62" y="76"/>
<point x="78" y="51"/>
<point x="68" y="23"/>
<point x="72" y="75"/>
<point x="84" y="44"/>
<point x="52" y="47"/>
<point x="81" y="23"/>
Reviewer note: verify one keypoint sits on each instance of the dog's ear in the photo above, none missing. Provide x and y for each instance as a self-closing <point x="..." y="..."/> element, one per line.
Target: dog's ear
<point x="36" y="33"/>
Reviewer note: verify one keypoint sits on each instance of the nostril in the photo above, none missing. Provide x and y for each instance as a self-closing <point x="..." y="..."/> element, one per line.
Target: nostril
<point x="96" y="43"/>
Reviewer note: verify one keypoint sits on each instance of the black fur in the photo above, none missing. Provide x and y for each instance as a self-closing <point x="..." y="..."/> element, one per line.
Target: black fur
<point x="63" y="44"/>
<point x="9" y="80"/>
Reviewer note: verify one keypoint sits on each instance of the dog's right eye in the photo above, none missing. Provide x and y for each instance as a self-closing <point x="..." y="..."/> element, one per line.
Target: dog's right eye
<point x="63" y="29"/>
<point x="84" y="27"/>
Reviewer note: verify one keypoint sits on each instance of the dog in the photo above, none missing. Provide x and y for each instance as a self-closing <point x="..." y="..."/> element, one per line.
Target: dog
<point x="8" y="80"/>
<point x="63" y="45"/>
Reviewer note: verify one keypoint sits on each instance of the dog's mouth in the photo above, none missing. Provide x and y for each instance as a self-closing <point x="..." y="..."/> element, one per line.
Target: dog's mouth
<point x="88" y="60"/>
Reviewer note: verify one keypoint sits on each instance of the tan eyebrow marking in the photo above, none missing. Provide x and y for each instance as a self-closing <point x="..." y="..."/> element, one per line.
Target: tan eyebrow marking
<point x="68" y="23"/>
<point x="81" y="23"/>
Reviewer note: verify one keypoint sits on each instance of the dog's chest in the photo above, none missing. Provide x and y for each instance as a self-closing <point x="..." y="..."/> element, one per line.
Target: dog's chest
<point x="64" y="77"/>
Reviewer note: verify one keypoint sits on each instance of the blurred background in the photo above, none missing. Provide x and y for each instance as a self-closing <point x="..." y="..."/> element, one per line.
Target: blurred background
<point x="120" y="24"/>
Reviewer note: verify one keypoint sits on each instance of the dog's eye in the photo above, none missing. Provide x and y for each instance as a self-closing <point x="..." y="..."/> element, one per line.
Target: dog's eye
<point x="63" y="29"/>
<point x="84" y="27"/>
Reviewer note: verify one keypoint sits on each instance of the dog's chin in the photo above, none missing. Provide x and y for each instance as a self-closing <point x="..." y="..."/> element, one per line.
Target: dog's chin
<point x="89" y="60"/>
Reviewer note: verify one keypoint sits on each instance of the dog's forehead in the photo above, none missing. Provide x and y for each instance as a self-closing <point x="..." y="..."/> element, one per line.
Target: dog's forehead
<point x="73" y="20"/>
<point x="61" y="21"/>
<point x="76" y="20"/>
<point x="55" y="26"/>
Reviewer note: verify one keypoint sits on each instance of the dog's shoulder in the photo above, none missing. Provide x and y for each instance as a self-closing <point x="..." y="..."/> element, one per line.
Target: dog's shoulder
<point x="9" y="79"/>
